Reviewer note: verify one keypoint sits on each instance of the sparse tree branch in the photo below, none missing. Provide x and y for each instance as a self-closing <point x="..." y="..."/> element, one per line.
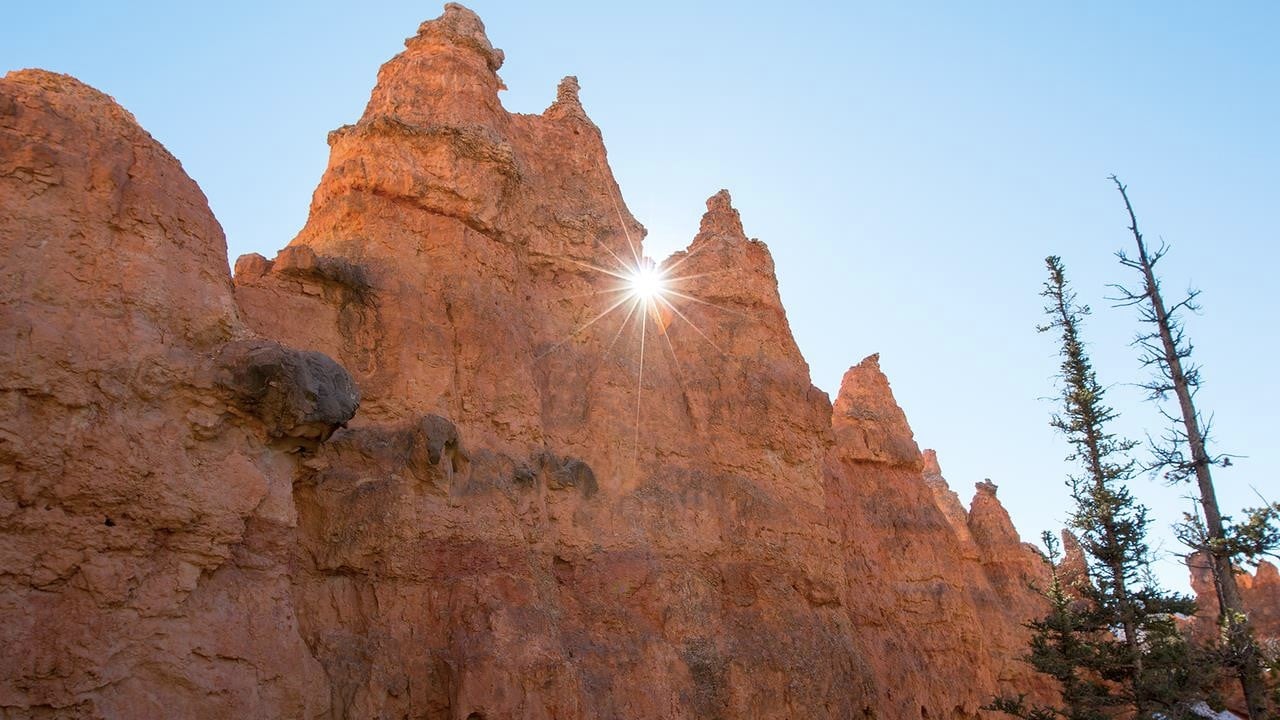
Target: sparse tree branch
<point x="1109" y="643"/>
<point x="1183" y="454"/>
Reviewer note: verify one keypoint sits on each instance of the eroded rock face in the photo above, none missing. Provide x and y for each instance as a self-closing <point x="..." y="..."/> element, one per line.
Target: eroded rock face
<point x="141" y="511"/>
<point x="869" y="424"/>
<point x="1260" y="592"/>
<point x="527" y="517"/>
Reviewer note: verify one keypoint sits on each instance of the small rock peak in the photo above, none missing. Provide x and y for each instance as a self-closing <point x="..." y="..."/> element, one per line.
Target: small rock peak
<point x="720" y="201"/>
<point x="461" y="26"/>
<point x="1200" y="567"/>
<point x="567" y="90"/>
<point x="990" y="523"/>
<point x="721" y="218"/>
<point x="1073" y="568"/>
<point x="567" y="103"/>
<point x="931" y="466"/>
<point x="446" y="77"/>
<point x="1267" y="574"/>
<point x="866" y="380"/>
<point x="1071" y="543"/>
<point x="868" y="420"/>
<point x="944" y="498"/>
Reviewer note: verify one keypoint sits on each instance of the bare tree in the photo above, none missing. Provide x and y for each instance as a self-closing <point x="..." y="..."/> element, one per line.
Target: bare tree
<point x="1183" y="454"/>
<point x="1110" y="641"/>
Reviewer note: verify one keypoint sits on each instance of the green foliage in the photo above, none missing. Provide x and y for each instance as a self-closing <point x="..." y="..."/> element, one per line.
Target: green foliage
<point x="1245" y="542"/>
<point x="1064" y="646"/>
<point x="1112" y="643"/>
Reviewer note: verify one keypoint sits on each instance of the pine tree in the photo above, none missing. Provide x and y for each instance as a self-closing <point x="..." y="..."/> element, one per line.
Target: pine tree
<point x="1118" y="646"/>
<point x="1183" y="455"/>
<point x="1063" y="647"/>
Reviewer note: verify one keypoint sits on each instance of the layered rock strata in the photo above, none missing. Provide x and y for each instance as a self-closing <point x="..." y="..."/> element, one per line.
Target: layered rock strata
<point x="540" y="510"/>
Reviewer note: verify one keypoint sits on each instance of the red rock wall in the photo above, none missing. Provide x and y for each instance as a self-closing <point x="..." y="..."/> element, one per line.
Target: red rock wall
<point x="146" y="509"/>
<point x="1260" y="592"/>
<point x="524" y="518"/>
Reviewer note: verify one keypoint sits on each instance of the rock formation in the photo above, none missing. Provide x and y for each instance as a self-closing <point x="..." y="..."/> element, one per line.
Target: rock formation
<point x="1260" y="591"/>
<point x="148" y="440"/>
<point x="526" y="517"/>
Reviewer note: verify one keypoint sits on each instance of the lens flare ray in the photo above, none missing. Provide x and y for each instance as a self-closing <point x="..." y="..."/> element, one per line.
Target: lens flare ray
<point x="651" y="294"/>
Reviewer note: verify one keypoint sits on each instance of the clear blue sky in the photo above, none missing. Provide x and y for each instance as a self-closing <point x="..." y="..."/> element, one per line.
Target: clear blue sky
<point x="909" y="165"/>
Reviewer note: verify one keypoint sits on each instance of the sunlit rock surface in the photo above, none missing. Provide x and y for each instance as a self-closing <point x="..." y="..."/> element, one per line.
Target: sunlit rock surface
<point x="526" y="517"/>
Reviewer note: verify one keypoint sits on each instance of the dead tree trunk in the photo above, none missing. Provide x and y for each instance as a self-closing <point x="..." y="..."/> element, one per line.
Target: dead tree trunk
<point x="1166" y="349"/>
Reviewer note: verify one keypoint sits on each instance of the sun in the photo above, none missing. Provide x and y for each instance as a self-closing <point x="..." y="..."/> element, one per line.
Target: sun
<point x="647" y="282"/>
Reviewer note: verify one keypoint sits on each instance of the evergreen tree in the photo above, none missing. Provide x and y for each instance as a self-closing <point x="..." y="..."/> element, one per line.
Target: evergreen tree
<point x="1116" y="650"/>
<point x="1183" y="455"/>
<point x="1062" y="647"/>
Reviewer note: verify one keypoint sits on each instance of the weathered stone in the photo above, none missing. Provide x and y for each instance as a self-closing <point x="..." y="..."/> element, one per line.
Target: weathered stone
<point x="527" y="517"/>
<point x="295" y="393"/>
<point x="869" y="425"/>
<point x="143" y="562"/>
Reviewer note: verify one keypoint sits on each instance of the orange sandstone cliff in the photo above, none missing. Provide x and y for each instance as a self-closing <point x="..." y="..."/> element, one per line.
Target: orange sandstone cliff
<point x="402" y="469"/>
<point x="1260" y="591"/>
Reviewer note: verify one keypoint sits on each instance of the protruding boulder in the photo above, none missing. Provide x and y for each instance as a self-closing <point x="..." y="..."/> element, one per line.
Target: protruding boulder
<point x="296" y="394"/>
<point x="561" y="473"/>
<point x="252" y="265"/>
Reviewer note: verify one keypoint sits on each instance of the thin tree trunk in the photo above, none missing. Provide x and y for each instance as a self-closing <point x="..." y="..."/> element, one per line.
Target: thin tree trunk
<point x="1230" y="604"/>
<point x="1118" y="585"/>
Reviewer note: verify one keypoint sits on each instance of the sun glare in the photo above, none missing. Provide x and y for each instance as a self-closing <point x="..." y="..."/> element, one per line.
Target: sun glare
<point x="647" y="282"/>
<point x="644" y="297"/>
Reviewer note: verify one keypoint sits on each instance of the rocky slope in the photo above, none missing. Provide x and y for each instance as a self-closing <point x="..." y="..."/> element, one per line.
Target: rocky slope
<point x="526" y="517"/>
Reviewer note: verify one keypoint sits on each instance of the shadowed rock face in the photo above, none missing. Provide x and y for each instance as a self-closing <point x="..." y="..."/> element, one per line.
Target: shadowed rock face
<point x="295" y="394"/>
<point x="525" y="518"/>
<point x="1260" y="591"/>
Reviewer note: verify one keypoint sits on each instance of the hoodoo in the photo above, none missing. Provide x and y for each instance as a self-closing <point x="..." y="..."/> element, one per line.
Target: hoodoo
<point x="411" y="467"/>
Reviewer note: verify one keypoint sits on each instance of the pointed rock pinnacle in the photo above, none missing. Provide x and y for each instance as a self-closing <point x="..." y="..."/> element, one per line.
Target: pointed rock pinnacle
<point x="567" y="104"/>
<point x="721" y="218"/>
<point x="461" y="26"/>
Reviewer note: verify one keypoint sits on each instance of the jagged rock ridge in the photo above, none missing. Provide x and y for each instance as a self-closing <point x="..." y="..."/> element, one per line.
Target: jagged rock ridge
<point x="517" y="522"/>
